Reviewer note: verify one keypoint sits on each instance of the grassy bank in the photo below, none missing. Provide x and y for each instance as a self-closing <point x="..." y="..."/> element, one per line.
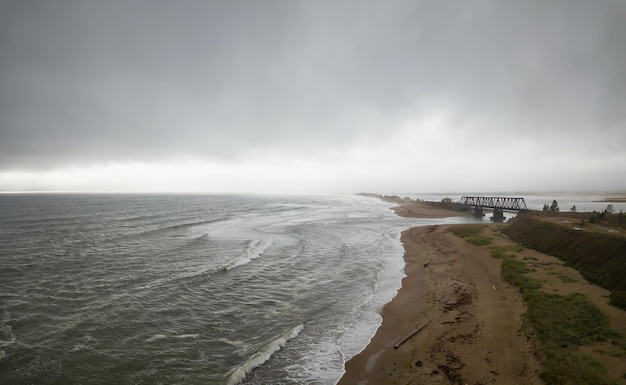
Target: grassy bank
<point x="562" y="324"/>
<point x="601" y="258"/>
<point x="472" y="234"/>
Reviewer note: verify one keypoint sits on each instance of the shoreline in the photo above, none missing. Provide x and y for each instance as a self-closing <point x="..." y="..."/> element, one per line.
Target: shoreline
<point x="412" y="209"/>
<point x="473" y="332"/>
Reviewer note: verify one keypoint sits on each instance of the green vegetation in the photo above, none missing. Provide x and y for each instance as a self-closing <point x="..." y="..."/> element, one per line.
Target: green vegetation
<point x="479" y="240"/>
<point x="514" y="272"/>
<point x="501" y="252"/>
<point x="472" y="234"/>
<point x="599" y="257"/>
<point x="568" y="367"/>
<point x="618" y="298"/>
<point x="466" y="231"/>
<point x="561" y="323"/>
<point x="564" y="278"/>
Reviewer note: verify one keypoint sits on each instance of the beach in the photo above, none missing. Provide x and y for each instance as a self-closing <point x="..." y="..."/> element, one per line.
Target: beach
<point x="471" y="330"/>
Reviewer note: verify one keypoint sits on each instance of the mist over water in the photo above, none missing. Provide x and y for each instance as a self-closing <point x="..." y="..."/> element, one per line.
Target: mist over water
<point x="192" y="289"/>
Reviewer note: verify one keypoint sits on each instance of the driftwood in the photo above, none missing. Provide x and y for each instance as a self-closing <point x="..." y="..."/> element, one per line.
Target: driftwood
<point x="396" y="346"/>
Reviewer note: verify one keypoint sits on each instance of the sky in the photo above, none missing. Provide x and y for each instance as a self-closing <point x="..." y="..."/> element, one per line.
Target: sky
<point x="312" y="96"/>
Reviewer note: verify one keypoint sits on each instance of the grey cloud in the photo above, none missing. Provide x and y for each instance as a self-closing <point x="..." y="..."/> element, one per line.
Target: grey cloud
<point x="98" y="81"/>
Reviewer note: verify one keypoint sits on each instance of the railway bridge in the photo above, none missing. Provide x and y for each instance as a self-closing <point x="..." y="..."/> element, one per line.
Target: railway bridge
<point x="498" y="204"/>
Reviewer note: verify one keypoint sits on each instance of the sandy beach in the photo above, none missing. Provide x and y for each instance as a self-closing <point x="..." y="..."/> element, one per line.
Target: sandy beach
<point x="470" y="319"/>
<point x="472" y="332"/>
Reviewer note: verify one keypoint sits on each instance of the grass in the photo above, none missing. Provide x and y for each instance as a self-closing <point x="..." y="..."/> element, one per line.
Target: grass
<point x="561" y="323"/>
<point x="564" y="278"/>
<point x="570" y="367"/>
<point x="618" y="298"/>
<point x="570" y="320"/>
<point x="466" y="231"/>
<point x="501" y="252"/>
<point x="599" y="257"/>
<point x="479" y="240"/>
<point x="472" y="234"/>
<point x="515" y="272"/>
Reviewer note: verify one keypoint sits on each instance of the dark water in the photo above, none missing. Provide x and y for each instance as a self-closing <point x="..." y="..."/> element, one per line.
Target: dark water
<point x="192" y="289"/>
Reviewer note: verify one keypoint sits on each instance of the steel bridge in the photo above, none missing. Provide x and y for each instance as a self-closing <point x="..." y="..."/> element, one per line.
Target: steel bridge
<point x="498" y="204"/>
<point x="504" y="203"/>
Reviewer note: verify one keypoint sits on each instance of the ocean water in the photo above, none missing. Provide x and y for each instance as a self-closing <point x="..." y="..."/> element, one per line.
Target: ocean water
<point x="192" y="289"/>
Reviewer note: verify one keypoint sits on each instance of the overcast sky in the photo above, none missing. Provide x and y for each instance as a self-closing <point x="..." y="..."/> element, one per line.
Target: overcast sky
<point x="312" y="96"/>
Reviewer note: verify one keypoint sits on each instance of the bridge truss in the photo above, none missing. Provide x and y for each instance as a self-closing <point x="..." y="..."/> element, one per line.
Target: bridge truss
<point x="503" y="203"/>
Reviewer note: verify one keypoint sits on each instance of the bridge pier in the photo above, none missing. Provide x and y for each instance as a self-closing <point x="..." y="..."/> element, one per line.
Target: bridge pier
<point x="478" y="211"/>
<point x="498" y="216"/>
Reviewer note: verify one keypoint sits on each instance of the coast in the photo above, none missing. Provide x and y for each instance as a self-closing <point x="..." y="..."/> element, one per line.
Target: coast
<point x="472" y="332"/>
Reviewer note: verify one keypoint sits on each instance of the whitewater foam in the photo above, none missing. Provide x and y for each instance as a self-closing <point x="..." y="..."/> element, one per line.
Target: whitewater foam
<point x="182" y="336"/>
<point x="262" y="356"/>
<point x="151" y="268"/>
<point x="236" y="343"/>
<point x="254" y="250"/>
<point x="156" y="337"/>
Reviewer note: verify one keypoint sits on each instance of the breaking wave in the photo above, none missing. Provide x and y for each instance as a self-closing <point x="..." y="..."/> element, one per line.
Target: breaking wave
<point x="258" y="359"/>
<point x="254" y="250"/>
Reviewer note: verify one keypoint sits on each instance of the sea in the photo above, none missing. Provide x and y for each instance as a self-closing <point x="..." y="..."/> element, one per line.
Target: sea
<point x="193" y="289"/>
<point x="196" y="289"/>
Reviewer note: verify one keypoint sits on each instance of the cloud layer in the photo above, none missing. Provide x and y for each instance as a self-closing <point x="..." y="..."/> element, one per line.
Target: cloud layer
<point x="541" y="86"/>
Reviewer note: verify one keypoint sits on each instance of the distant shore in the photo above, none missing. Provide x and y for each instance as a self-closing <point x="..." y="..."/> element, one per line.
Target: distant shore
<point x="406" y="207"/>
<point x="472" y="331"/>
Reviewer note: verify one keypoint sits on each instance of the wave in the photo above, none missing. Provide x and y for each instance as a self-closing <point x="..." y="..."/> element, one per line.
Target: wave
<point x="157" y="337"/>
<point x="254" y="250"/>
<point x="86" y="343"/>
<point x="259" y="358"/>
<point x="181" y="336"/>
<point x="183" y="225"/>
<point x="235" y="343"/>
